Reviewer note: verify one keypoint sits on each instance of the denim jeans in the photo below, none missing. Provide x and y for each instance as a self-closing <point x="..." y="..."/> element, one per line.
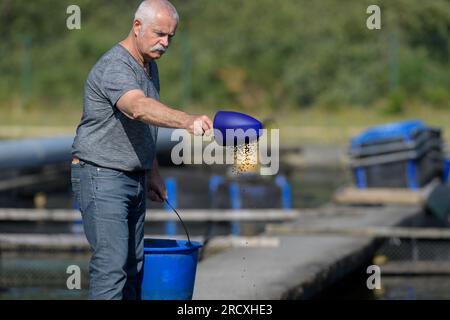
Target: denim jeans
<point x="112" y="205"/>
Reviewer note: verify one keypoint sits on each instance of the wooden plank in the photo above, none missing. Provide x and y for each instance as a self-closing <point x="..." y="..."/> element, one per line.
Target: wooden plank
<point x="62" y="215"/>
<point x="64" y="242"/>
<point x="49" y="175"/>
<point x="353" y="195"/>
<point x="375" y="232"/>
<point x="224" y="215"/>
<point x="416" y="268"/>
<point x="245" y="241"/>
<point x="74" y="242"/>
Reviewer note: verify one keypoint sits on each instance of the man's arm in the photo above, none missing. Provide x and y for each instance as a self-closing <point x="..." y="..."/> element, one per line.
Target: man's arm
<point x="135" y="105"/>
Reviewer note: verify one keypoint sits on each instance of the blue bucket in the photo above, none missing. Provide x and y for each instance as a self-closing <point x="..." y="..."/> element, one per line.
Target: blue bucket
<point x="169" y="269"/>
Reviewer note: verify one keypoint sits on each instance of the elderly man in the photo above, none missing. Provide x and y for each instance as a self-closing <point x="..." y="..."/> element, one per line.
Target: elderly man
<point x="114" y="165"/>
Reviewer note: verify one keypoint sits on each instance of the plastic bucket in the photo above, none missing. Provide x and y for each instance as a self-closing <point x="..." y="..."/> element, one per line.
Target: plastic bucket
<point x="169" y="269"/>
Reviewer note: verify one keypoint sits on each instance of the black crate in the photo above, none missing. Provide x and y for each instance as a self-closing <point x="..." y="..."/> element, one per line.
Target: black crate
<point x="400" y="170"/>
<point x="432" y="137"/>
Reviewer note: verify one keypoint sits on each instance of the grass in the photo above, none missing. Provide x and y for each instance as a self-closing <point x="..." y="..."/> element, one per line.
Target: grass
<point x="306" y="126"/>
<point x="319" y="126"/>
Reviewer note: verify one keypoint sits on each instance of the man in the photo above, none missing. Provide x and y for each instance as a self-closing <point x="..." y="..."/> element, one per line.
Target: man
<point x="113" y="152"/>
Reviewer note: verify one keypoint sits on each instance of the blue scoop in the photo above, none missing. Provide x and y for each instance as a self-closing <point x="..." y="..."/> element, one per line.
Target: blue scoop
<point x="250" y="128"/>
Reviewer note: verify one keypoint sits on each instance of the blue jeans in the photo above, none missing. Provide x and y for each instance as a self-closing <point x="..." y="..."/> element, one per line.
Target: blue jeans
<point x="112" y="205"/>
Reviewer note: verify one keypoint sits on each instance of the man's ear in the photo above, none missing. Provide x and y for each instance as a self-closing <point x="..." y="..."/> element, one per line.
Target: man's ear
<point x="137" y="27"/>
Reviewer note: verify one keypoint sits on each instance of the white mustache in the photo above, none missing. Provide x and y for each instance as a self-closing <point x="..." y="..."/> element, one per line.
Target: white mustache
<point x="158" y="47"/>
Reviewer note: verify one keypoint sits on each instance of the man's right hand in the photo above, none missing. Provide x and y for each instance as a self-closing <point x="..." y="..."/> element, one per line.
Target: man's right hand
<point x="198" y="125"/>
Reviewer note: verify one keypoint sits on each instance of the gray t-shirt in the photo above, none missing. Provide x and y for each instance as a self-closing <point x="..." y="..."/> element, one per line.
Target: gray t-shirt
<point x="105" y="136"/>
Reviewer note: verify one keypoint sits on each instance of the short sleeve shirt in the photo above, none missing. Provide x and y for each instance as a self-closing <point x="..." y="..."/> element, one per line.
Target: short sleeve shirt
<point x="105" y="136"/>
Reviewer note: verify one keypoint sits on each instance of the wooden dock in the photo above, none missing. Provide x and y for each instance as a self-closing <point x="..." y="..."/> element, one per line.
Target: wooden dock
<point x="193" y="215"/>
<point x="375" y="196"/>
<point x="371" y="232"/>
<point x="305" y="262"/>
<point x="78" y="242"/>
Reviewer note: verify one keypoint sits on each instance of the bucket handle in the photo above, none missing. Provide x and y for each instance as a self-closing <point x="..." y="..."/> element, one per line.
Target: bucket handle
<point x="181" y="220"/>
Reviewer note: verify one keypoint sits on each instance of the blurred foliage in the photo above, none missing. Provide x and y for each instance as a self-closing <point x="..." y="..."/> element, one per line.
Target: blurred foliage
<point x="238" y="54"/>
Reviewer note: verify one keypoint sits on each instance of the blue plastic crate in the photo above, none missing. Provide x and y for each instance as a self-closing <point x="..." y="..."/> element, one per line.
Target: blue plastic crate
<point x="446" y="175"/>
<point x="404" y="130"/>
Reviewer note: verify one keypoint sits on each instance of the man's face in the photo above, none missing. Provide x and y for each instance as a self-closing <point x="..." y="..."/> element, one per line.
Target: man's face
<point x="155" y="38"/>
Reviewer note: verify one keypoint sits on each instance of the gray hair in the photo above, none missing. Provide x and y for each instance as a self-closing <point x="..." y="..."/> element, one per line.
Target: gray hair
<point x="147" y="10"/>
